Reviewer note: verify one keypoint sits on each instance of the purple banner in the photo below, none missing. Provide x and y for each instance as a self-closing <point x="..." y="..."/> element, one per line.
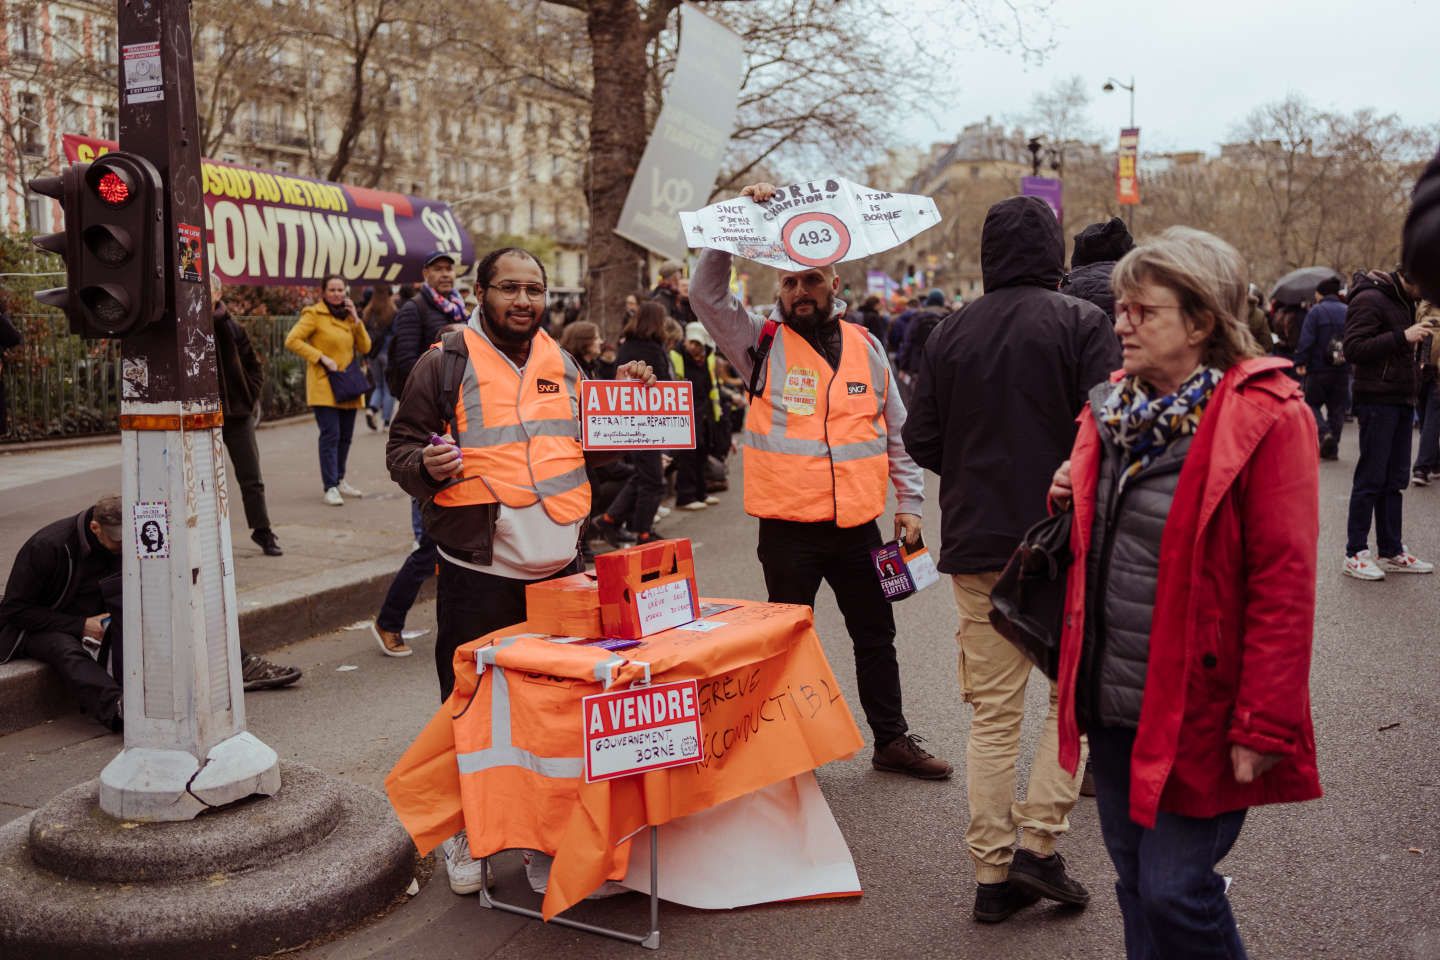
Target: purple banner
<point x="269" y="228"/>
<point x="1047" y="189"/>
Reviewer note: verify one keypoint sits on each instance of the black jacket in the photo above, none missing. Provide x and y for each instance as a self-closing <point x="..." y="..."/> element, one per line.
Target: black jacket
<point x="55" y="582"/>
<point x="1092" y="282"/>
<point x="1001" y="382"/>
<point x="416" y="326"/>
<point x="241" y="374"/>
<point x="1422" y="233"/>
<point x="1387" y="367"/>
<point x="650" y="352"/>
<point x="670" y="300"/>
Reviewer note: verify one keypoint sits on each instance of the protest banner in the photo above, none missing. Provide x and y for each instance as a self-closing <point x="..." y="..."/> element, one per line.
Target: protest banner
<point x="1048" y="189"/>
<point x="811" y="224"/>
<point x="646" y="728"/>
<point x="627" y="415"/>
<point x="684" y="152"/>
<point x="272" y="229"/>
<point x="1127" y="173"/>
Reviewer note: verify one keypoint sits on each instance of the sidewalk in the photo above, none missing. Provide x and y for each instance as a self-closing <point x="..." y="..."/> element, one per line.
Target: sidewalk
<point x="337" y="564"/>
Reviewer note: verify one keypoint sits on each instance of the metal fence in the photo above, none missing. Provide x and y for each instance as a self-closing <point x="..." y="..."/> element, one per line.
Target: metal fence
<point x="58" y="385"/>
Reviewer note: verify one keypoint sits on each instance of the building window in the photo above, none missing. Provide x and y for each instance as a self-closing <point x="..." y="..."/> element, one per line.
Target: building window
<point x="107" y="46"/>
<point x="36" y="207"/>
<point x="24" y="37"/>
<point x="109" y="128"/>
<point x="28" y="124"/>
<point x="67" y="39"/>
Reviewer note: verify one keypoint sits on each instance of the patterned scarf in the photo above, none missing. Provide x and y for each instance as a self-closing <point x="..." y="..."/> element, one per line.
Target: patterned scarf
<point x="452" y="305"/>
<point x="1145" y="426"/>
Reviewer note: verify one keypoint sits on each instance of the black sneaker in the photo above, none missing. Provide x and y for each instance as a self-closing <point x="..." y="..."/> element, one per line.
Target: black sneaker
<point x="1330" y="448"/>
<point x="265" y="539"/>
<point x="1420" y="478"/>
<point x="1046" y="877"/>
<point x="611" y="531"/>
<point x="261" y="674"/>
<point x="995" y="902"/>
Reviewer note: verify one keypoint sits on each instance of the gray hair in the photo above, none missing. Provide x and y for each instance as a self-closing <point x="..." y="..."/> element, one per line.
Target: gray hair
<point x="1209" y="278"/>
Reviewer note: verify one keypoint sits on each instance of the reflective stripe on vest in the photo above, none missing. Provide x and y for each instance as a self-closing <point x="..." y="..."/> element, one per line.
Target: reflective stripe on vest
<point x="829" y="464"/>
<point x="526" y="449"/>
<point x="678" y="363"/>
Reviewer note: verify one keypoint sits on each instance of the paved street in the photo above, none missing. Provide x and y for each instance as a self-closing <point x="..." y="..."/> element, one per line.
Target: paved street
<point x="1355" y="875"/>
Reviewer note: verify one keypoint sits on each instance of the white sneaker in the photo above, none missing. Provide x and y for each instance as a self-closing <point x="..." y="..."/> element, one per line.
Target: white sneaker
<point x="712" y="500"/>
<point x="1362" y="567"/>
<point x="661" y="513"/>
<point x="1406" y="562"/>
<point x="332" y="497"/>
<point x="348" y="490"/>
<point x="693" y="505"/>
<point x="466" y="873"/>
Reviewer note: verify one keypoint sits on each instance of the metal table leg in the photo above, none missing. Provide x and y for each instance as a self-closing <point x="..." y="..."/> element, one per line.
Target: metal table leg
<point x="650" y="941"/>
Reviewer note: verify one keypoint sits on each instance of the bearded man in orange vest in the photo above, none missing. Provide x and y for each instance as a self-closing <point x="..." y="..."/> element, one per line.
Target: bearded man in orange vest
<point x="822" y="437"/>
<point x="505" y="493"/>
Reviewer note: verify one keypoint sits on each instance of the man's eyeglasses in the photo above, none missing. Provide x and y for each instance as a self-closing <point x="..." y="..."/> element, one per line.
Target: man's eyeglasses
<point x="1138" y="313"/>
<point x="512" y="291"/>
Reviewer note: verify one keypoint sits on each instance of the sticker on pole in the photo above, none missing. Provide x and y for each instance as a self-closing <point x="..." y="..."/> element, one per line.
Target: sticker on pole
<point x="627" y="415"/>
<point x="141" y="64"/>
<point x="811" y="224"/>
<point x="152" y="530"/>
<point x="644" y="728"/>
<point x="188" y="239"/>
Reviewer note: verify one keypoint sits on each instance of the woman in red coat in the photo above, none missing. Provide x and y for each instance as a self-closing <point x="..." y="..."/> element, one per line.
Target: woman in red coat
<point x="1185" y="654"/>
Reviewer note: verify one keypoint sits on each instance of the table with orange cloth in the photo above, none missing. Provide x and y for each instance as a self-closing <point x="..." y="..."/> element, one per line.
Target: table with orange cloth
<point x="503" y="757"/>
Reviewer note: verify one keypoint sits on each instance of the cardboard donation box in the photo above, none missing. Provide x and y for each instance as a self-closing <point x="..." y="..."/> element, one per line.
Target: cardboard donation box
<point x="566" y="606"/>
<point x="647" y="588"/>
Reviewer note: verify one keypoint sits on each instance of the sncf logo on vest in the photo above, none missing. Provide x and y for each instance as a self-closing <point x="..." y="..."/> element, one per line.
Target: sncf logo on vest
<point x="546" y="386"/>
<point x="853" y="388"/>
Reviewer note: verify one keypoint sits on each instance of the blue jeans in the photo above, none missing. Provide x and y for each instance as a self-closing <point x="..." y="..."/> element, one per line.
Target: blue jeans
<point x="337" y="426"/>
<point x="381" y="398"/>
<point x="417" y="568"/>
<point x="1171" y="899"/>
<point x="1381" y="473"/>
<point x="1427" y="457"/>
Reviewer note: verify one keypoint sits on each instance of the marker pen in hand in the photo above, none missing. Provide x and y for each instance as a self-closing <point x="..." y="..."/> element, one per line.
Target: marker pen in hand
<point x="438" y="441"/>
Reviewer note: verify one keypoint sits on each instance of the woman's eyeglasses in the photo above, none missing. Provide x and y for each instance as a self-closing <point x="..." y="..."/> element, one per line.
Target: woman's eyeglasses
<point x="1136" y="314"/>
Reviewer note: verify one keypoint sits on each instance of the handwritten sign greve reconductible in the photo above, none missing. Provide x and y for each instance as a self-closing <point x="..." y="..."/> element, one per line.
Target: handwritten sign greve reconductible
<point x="811" y="224"/>
<point x="628" y="415"/>
<point x="642" y="728"/>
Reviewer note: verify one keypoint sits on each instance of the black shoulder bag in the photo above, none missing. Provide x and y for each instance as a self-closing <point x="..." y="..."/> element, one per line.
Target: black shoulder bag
<point x="1028" y="601"/>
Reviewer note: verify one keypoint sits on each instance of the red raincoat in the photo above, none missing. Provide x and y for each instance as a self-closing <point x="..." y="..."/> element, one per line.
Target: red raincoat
<point x="1234" y="605"/>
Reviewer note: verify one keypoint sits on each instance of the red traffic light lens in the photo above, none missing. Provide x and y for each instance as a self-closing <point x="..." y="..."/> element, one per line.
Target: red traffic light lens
<point x="113" y="189"/>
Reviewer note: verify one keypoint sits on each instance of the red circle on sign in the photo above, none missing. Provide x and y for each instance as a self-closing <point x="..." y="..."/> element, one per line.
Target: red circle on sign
<point x="822" y="221"/>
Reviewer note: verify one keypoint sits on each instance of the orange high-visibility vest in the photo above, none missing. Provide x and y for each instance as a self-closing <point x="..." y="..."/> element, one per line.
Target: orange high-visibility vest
<point x="517" y="432"/>
<point x="815" y="438"/>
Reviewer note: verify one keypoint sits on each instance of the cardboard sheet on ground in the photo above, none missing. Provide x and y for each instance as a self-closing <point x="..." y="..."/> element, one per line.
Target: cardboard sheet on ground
<point x="811" y="224"/>
<point x="778" y="843"/>
<point x="503" y="756"/>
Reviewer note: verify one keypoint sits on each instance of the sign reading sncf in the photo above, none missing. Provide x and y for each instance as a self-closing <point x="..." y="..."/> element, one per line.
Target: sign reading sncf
<point x="644" y="728"/>
<point x="269" y="228"/>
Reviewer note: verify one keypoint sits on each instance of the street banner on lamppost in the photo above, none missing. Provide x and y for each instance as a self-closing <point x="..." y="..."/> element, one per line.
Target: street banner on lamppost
<point x="1127" y="174"/>
<point x="267" y="228"/>
<point x="688" y="142"/>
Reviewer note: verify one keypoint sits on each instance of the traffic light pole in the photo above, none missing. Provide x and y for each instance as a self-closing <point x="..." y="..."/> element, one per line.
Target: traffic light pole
<point x="186" y="746"/>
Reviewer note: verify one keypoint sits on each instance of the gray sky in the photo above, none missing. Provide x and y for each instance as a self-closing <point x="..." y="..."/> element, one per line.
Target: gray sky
<point x="1201" y="65"/>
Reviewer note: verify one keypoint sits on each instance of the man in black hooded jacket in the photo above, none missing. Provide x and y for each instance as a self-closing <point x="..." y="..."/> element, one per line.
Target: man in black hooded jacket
<point x="1422" y="233"/>
<point x="1097" y="249"/>
<point x="1000" y="385"/>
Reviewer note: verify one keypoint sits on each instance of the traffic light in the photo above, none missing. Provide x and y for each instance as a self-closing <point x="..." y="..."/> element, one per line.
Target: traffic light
<point x="113" y="244"/>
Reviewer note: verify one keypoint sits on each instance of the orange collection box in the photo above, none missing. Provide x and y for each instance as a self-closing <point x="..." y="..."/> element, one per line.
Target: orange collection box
<point x="647" y="588"/>
<point x="566" y="606"/>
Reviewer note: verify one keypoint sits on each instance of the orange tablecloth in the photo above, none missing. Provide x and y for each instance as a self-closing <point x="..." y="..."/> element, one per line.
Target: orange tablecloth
<point x="770" y="709"/>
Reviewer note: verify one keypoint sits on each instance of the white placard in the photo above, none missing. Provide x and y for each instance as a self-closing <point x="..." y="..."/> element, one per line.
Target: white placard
<point x="663" y="607"/>
<point x="628" y="415"/>
<point x="141" y="63"/>
<point x="152" y="530"/>
<point x="811" y="224"/>
<point x="646" y="728"/>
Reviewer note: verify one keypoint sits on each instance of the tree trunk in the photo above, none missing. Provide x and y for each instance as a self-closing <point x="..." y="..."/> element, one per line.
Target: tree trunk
<point x="617" y="141"/>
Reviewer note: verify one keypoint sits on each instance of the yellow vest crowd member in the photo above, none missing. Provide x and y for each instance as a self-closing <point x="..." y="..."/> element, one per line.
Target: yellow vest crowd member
<point x="505" y="496"/>
<point x="822" y="437"/>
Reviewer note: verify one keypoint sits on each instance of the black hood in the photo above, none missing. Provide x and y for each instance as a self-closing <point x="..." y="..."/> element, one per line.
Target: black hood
<point x="1021" y="245"/>
<point x="1099" y="242"/>
<point x="1386" y="283"/>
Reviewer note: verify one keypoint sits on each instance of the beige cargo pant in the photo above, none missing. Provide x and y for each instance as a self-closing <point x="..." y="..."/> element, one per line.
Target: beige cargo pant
<point x="993" y="678"/>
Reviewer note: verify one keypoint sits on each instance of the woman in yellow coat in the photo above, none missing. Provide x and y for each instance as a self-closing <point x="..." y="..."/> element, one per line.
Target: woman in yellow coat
<point x="329" y="335"/>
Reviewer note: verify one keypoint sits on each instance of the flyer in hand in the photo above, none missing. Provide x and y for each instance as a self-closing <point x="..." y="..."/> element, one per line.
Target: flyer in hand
<point x="628" y="415"/>
<point x="811" y="224"/>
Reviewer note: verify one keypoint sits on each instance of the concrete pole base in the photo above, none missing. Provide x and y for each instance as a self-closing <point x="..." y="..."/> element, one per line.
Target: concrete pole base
<point x="255" y="878"/>
<point x="153" y="785"/>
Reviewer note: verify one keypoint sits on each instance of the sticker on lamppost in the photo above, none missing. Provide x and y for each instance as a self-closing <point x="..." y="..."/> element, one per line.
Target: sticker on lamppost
<point x="152" y="530"/>
<point x="811" y="224"/>
<point x="643" y="728"/>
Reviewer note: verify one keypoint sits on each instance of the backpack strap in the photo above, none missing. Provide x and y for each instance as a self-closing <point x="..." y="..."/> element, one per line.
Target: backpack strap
<point x="760" y="354"/>
<point x="454" y="355"/>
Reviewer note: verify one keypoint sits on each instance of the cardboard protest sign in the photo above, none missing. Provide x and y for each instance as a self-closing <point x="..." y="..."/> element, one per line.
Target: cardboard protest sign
<point x="627" y="415"/>
<point x="811" y="224"/>
<point x="645" y="728"/>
